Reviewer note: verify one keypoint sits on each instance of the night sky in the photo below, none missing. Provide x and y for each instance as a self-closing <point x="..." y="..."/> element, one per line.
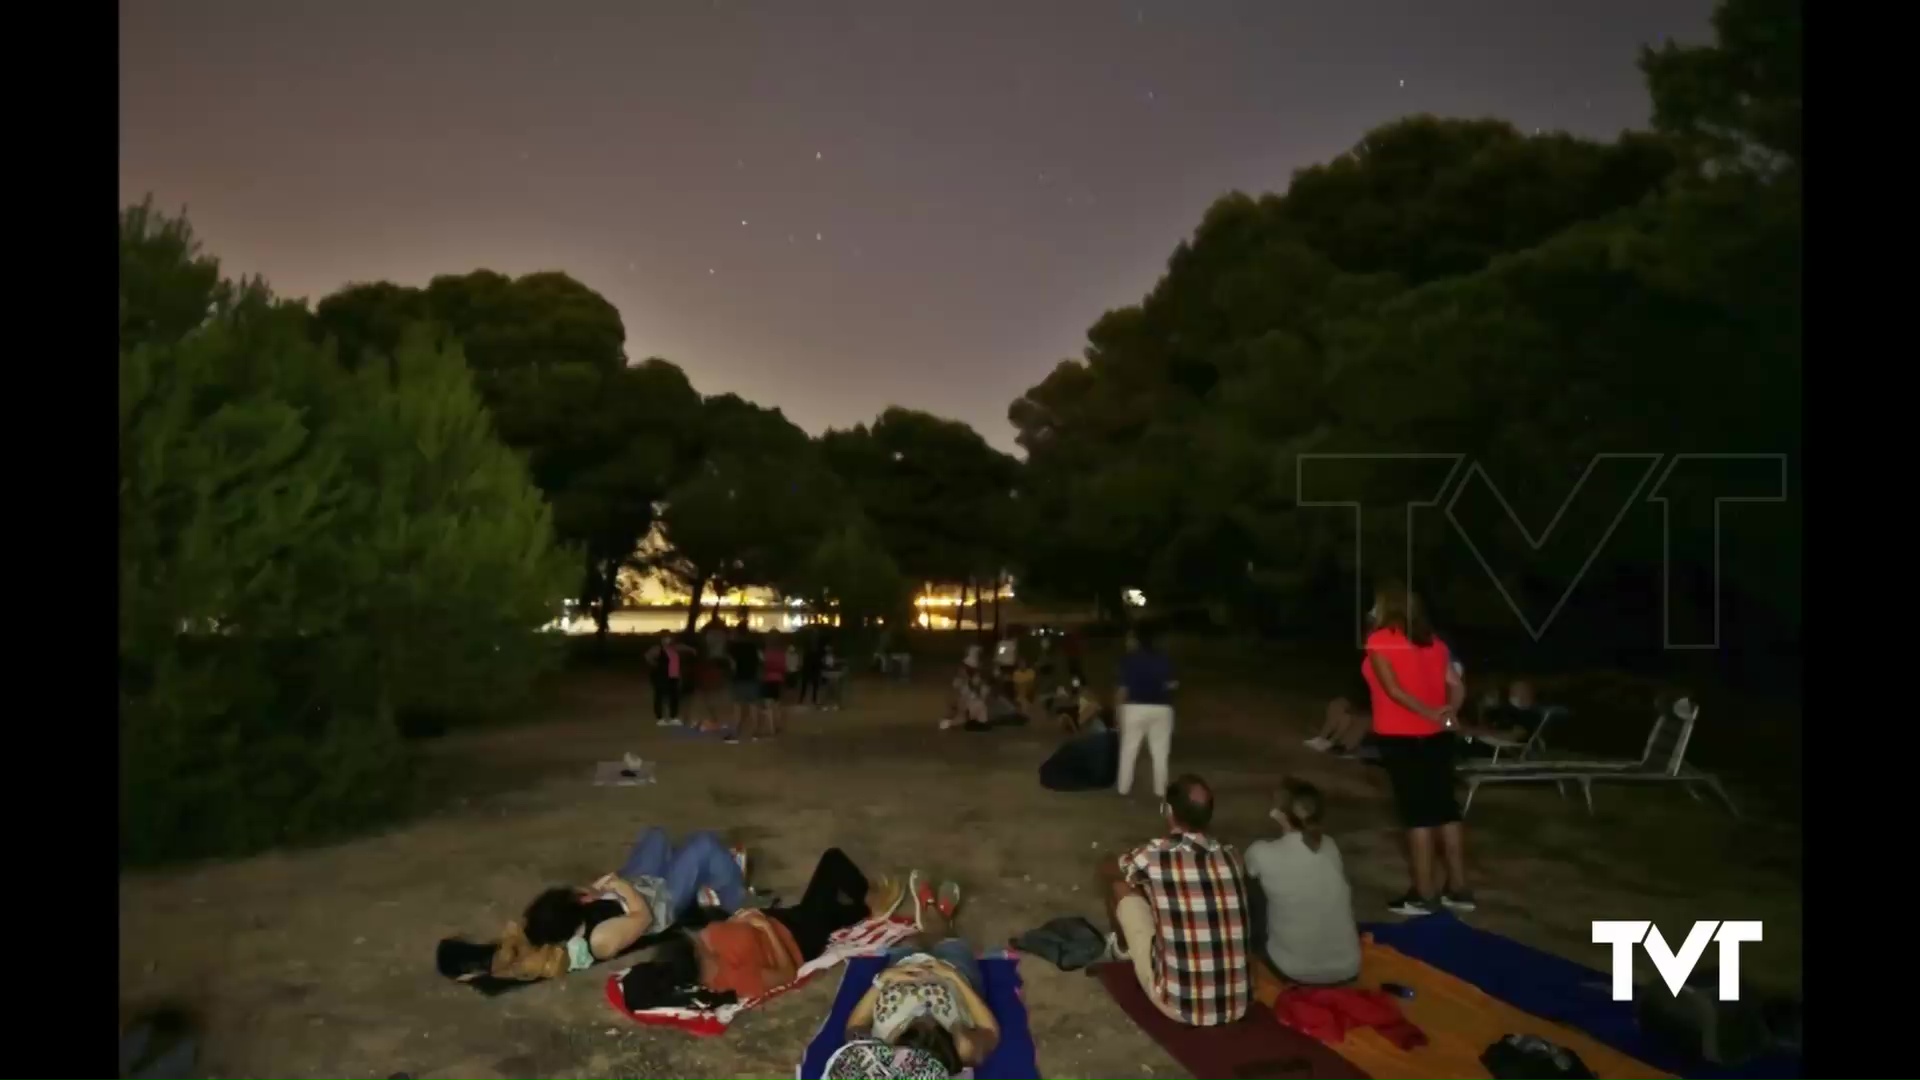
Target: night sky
<point x="822" y="205"/>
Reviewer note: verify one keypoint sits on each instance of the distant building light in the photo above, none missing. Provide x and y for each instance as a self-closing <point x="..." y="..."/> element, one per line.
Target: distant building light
<point x="1136" y="598"/>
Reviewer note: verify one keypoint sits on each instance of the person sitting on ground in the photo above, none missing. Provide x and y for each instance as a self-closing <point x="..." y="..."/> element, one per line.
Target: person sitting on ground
<point x="1078" y="709"/>
<point x="967" y="704"/>
<point x="1179" y="905"/>
<point x="569" y="929"/>
<point x="1023" y="679"/>
<point x="924" y="1015"/>
<point x="1346" y="728"/>
<point x="1310" y="937"/>
<point x="756" y="951"/>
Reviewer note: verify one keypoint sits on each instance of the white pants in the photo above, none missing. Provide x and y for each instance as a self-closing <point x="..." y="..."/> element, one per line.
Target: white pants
<point x="1154" y="723"/>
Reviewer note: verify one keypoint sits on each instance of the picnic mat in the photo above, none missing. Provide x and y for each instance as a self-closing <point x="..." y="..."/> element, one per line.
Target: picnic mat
<point x="1557" y="990"/>
<point x="1013" y="1059"/>
<point x="861" y="939"/>
<point x="1459" y="1020"/>
<point x="1255" y="1046"/>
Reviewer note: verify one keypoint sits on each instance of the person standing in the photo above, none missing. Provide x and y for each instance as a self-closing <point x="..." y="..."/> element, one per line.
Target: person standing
<point x="666" y="662"/>
<point x="743" y="663"/>
<point x="1145" y="709"/>
<point x="811" y="660"/>
<point x="773" y="683"/>
<point x="1416" y="692"/>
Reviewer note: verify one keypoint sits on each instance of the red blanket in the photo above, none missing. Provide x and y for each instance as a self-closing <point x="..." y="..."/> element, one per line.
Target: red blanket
<point x="1328" y="1013"/>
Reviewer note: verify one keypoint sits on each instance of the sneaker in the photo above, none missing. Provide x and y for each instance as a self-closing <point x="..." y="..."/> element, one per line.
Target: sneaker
<point x="709" y="898"/>
<point x="1115" y="950"/>
<point x="1458" y="901"/>
<point x="947" y="900"/>
<point x="674" y="721"/>
<point x="1319" y="742"/>
<point x="739" y="859"/>
<point x="884" y="897"/>
<point x="922" y="898"/>
<point x="1412" y="905"/>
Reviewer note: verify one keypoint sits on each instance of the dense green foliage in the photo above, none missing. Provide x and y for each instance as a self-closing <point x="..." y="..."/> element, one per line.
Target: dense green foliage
<point x="1454" y="287"/>
<point x="307" y="554"/>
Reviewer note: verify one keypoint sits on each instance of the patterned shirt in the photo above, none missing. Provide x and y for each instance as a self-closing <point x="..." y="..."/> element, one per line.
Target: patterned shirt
<point x="1198" y="893"/>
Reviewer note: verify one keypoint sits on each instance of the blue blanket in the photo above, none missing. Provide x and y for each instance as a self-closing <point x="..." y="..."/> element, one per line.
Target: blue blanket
<point x="1554" y="988"/>
<point x="1013" y="1059"/>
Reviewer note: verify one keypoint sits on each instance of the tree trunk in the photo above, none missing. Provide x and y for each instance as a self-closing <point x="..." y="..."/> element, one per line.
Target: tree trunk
<point x="998" y="578"/>
<point x="979" y="609"/>
<point x="693" y="604"/>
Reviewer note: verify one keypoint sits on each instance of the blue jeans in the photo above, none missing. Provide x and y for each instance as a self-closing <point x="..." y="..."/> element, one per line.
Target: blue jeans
<point x="701" y="861"/>
<point x="955" y="952"/>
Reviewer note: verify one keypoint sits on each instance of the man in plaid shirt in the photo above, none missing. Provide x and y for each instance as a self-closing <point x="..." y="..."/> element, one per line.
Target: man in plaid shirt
<point x="1180" y="905"/>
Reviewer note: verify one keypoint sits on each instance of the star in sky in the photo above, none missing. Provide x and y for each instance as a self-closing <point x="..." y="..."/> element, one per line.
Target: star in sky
<point x="936" y="183"/>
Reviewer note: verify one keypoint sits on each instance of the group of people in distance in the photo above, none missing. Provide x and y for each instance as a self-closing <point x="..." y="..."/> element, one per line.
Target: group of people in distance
<point x="743" y="679"/>
<point x="1188" y="912"/>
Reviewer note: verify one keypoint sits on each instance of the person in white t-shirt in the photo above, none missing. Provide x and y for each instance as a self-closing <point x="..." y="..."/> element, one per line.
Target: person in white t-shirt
<point x="1310" y="935"/>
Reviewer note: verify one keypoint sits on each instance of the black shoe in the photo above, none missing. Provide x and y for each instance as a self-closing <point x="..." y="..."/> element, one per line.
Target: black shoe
<point x="1412" y="905"/>
<point x="1458" y="901"/>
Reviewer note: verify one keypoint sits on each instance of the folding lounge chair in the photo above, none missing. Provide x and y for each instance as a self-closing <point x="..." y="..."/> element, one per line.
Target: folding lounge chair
<point x="1517" y="752"/>
<point x="1663" y="760"/>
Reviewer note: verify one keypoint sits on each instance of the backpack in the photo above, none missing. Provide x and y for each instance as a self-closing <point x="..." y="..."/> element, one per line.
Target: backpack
<point x="1529" y="1057"/>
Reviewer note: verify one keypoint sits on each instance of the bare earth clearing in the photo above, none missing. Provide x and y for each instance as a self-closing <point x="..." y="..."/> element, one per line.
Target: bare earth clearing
<point x="319" y="963"/>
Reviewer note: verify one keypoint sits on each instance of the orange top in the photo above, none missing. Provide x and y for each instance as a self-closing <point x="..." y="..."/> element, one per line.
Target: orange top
<point x="1422" y="672"/>
<point x="745" y="948"/>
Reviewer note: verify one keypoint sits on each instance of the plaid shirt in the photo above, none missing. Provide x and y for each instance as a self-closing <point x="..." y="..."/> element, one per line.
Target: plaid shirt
<point x="1198" y="891"/>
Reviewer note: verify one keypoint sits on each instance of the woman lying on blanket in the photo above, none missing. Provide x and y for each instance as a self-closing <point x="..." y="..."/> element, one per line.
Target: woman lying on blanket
<point x="568" y="929"/>
<point x="753" y="952"/>
<point x="924" y="1015"/>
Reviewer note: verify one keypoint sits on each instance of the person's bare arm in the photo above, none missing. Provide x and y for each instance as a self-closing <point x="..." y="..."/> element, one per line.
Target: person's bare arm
<point x="1390" y="686"/>
<point x="862" y="1018"/>
<point x="1456" y="688"/>
<point x="976" y="1036"/>
<point x="629" y="896"/>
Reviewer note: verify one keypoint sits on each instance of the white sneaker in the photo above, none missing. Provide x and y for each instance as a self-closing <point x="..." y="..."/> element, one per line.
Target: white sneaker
<point x="632" y="760"/>
<point x="1114" y="949"/>
<point x="1319" y="742"/>
<point x="674" y="721"/>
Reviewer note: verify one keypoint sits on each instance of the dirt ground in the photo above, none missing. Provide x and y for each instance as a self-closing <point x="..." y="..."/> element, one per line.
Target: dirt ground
<point x="318" y="963"/>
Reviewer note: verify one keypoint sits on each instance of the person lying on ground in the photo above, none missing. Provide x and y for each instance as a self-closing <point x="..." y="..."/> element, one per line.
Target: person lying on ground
<point x="655" y="886"/>
<point x="756" y="951"/>
<point x="1308" y="933"/>
<point x="925" y="1010"/>
<point x="1346" y="728"/>
<point x="1178" y="905"/>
